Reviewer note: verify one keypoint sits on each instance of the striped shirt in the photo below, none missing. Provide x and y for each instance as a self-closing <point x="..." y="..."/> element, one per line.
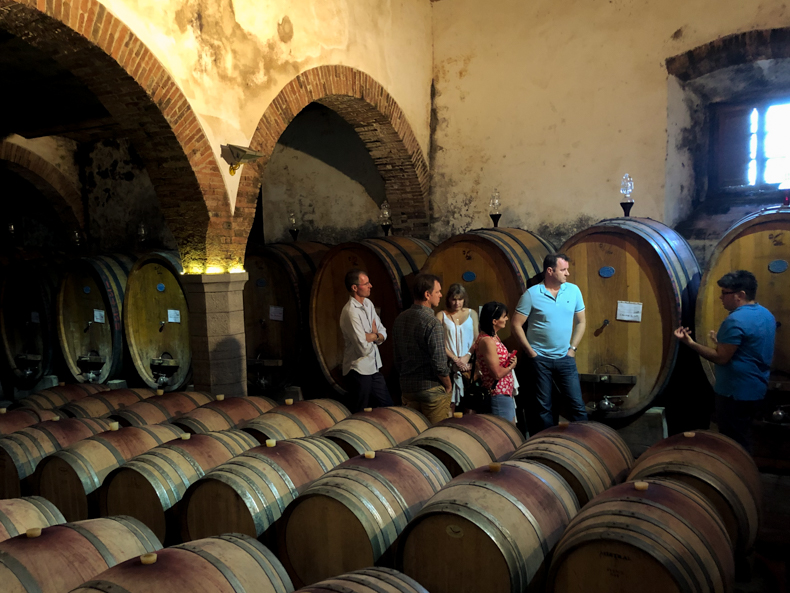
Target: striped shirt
<point x="420" y="358"/>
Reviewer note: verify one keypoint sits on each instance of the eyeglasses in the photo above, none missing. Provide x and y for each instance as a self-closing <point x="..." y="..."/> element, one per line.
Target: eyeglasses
<point x="723" y="292"/>
<point x="366" y="284"/>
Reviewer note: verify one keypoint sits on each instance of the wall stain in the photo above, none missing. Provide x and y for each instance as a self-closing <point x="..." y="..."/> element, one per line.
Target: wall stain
<point x="285" y="29"/>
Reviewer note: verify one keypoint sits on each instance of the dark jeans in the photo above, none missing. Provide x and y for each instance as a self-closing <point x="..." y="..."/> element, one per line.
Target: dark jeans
<point x="368" y="391"/>
<point x="734" y="418"/>
<point x="543" y="372"/>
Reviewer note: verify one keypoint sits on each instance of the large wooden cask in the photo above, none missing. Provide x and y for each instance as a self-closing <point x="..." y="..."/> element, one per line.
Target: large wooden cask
<point x="492" y="529"/>
<point x="375" y="579"/>
<point x="224" y="564"/>
<point x="17" y="515"/>
<point x="492" y="265"/>
<point x="102" y="404"/>
<point x="224" y="413"/>
<point x="464" y="443"/>
<point x="71" y="477"/>
<point x="296" y="419"/>
<point x="377" y="428"/>
<point x="156" y="320"/>
<point x="150" y="486"/>
<point x="161" y="408"/>
<point x="54" y="397"/>
<point x="391" y="264"/>
<point x="57" y="559"/>
<point x="350" y="518"/>
<point x="254" y="488"/>
<point x="276" y="300"/>
<point x="720" y="469"/>
<point x="22" y="451"/>
<point x="28" y="321"/>
<point x="90" y="317"/>
<point x="757" y="243"/>
<point x="22" y="418"/>
<point x="657" y="536"/>
<point x="639" y="280"/>
<point x="590" y="456"/>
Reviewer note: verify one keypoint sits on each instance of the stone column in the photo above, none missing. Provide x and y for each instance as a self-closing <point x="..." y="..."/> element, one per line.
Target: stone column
<point x="216" y="332"/>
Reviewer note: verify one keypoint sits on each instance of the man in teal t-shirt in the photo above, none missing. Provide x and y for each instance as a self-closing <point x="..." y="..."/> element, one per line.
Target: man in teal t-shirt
<point x="744" y="349"/>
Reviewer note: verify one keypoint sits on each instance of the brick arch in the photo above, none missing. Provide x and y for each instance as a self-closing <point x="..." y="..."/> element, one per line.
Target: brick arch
<point x="380" y="123"/>
<point x="732" y="50"/>
<point x="64" y="197"/>
<point x="148" y="107"/>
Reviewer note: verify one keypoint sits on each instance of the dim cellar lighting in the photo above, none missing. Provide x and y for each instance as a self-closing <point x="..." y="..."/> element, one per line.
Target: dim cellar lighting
<point x="215" y="270"/>
<point x="293" y="229"/>
<point x="385" y="217"/>
<point x="142" y="232"/>
<point x="494" y="204"/>
<point x="627" y="188"/>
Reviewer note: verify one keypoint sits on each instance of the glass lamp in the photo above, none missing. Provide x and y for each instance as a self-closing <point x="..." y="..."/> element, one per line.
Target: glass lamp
<point x="293" y="229"/>
<point x="627" y="188"/>
<point x="493" y="208"/>
<point x="385" y="218"/>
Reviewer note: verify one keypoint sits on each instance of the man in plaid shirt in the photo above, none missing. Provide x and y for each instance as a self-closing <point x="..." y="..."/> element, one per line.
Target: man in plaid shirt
<point x="420" y="357"/>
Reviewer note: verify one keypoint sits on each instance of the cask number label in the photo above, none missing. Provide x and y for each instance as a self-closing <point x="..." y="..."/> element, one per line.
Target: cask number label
<point x="98" y="316"/>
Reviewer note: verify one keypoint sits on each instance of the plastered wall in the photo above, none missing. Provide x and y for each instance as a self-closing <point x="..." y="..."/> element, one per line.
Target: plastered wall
<point x="553" y="101"/>
<point x="232" y="57"/>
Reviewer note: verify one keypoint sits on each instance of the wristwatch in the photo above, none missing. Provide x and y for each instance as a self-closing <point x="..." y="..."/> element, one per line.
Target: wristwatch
<point x="573" y="348"/>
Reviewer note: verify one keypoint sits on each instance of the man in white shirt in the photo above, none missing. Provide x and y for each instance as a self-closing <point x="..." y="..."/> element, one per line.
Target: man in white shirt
<point x="363" y="333"/>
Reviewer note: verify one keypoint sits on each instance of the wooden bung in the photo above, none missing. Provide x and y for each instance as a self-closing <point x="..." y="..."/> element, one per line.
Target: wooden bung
<point x="289" y="402"/>
<point x="114" y="426"/>
<point x="33" y="532"/>
<point x="458" y="414"/>
<point x="186" y="436"/>
<point x="370" y="454"/>
<point x="688" y="434"/>
<point x="495" y="467"/>
<point x="270" y="442"/>
<point x="368" y="410"/>
<point x="641" y="486"/>
<point x="220" y="397"/>
<point x="149" y="558"/>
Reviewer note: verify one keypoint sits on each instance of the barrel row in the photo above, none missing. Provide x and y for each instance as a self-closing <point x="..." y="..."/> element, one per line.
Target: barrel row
<point x="94" y="310"/>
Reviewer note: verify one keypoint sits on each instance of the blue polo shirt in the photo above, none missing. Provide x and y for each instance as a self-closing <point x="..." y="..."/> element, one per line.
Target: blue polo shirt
<point x="550" y="318"/>
<point x="745" y="377"/>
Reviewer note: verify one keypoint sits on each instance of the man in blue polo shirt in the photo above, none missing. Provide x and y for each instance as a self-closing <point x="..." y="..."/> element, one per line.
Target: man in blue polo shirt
<point x="553" y="312"/>
<point x="742" y="352"/>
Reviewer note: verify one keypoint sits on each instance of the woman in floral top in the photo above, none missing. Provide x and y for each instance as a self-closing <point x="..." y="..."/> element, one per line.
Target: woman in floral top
<point x="496" y="363"/>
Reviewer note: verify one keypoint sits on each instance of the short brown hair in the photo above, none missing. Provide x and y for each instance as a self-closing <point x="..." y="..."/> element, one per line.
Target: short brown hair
<point x="456" y="290"/>
<point x="550" y="261"/>
<point x="352" y="278"/>
<point x="423" y="283"/>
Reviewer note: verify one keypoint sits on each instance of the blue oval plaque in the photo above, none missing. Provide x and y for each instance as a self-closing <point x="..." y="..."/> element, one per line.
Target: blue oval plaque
<point x="778" y="266"/>
<point x="606" y="272"/>
<point x="469" y="276"/>
<point x="160" y="287"/>
<point x="261" y="282"/>
<point x="86" y="289"/>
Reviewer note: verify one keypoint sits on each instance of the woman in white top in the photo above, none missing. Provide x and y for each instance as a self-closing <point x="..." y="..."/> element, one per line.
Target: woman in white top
<point x="460" y="329"/>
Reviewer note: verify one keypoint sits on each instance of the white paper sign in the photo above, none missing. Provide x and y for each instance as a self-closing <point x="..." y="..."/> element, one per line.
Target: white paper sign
<point x="35" y="317"/>
<point x="275" y="313"/>
<point x="173" y="316"/>
<point x="628" y="311"/>
<point x="98" y="316"/>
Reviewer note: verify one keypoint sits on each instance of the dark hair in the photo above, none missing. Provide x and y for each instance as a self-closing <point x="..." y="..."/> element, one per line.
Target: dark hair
<point x="740" y="280"/>
<point x="488" y="314"/>
<point x="456" y="290"/>
<point x="550" y="261"/>
<point x="352" y="278"/>
<point x="423" y="283"/>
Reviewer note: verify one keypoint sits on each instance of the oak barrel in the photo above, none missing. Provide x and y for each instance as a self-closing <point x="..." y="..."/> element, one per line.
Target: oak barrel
<point x="224" y="413"/>
<point x="642" y="264"/>
<point x="102" y="404"/>
<point x="150" y="486"/>
<point x="377" y="428"/>
<point x="350" y="518"/>
<point x="720" y="469"/>
<point x="297" y="419"/>
<point x="255" y="487"/>
<point x="375" y="579"/>
<point x="156" y="321"/>
<point x="54" y="397"/>
<point x="492" y="529"/>
<point x="276" y="300"/>
<point x="17" y="515"/>
<point x="757" y="243"/>
<point x="391" y="263"/>
<point x="65" y="556"/>
<point x="90" y="317"/>
<point x="21" y="452"/>
<point x="474" y="440"/>
<point x="28" y="322"/>
<point x="161" y="408"/>
<point x="71" y="477"/>
<point x="658" y="536"/>
<point x="22" y="418"/>
<point x="492" y="265"/>
<point x="590" y="456"/>
<point x="224" y="564"/>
